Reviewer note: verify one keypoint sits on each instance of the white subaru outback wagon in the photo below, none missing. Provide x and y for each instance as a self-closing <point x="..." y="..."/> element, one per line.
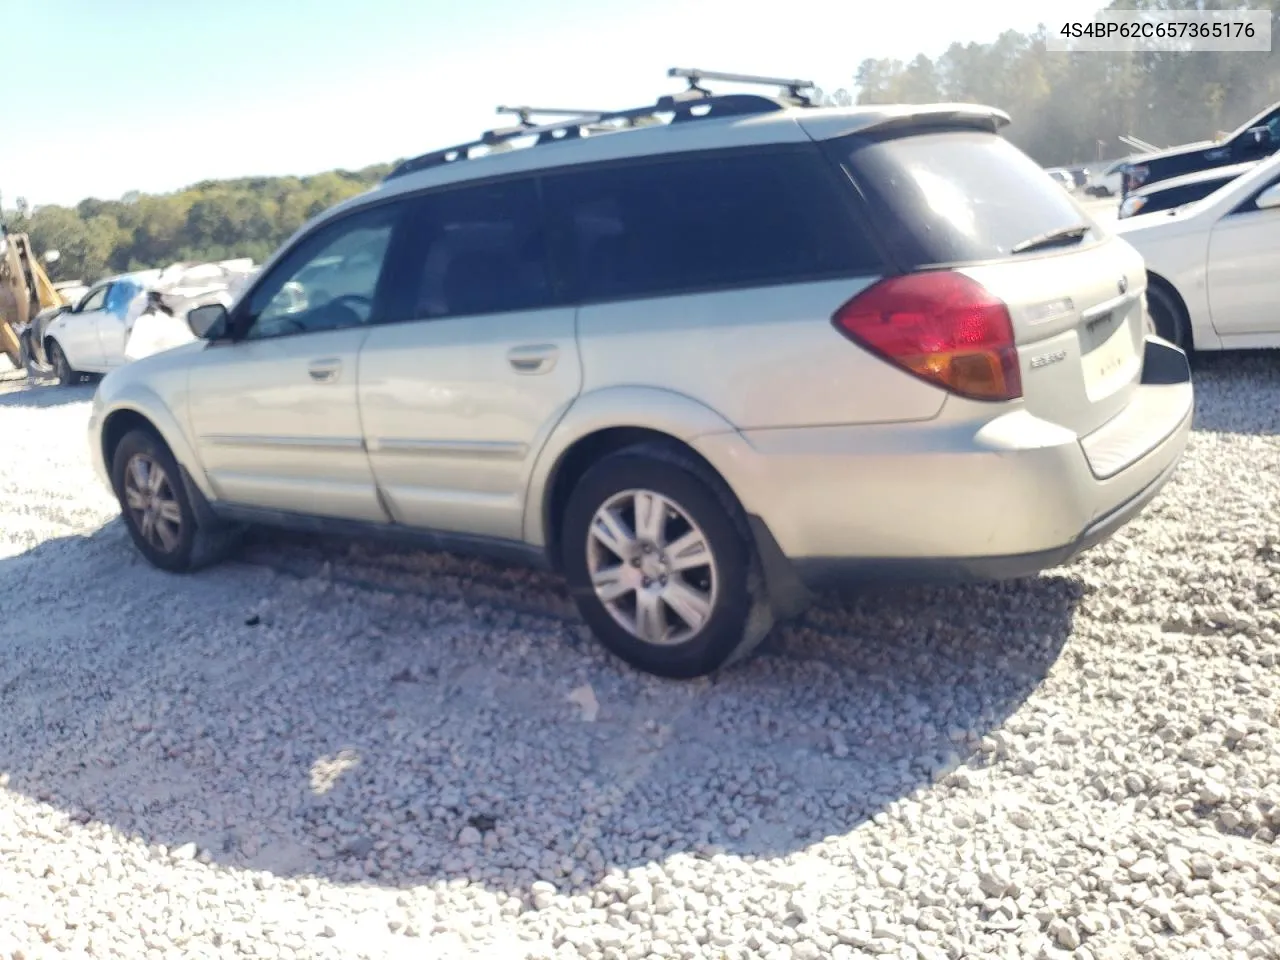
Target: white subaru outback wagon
<point x="700" y="367"/>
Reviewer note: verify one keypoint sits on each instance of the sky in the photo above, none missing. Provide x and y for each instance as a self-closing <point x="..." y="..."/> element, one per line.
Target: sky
<point x="128" y="95"/>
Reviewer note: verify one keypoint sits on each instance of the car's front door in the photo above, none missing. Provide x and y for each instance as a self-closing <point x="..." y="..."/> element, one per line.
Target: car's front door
<point x="77" y="330"/>
<point x="460" y="391"/>
<point x="275" y="411"/>
<point x="1244" y="289"/>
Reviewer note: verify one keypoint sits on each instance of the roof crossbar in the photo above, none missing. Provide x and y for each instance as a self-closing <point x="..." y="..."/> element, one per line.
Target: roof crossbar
<point x="794" y="88"/>
<point x="525" y="113"/>
<point x="694" y="103"/>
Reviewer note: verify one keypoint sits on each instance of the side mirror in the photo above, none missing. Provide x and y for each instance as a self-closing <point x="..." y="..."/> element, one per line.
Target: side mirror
<point x="1269" y="198"/>
<point x="1256" y="140"/>
<point x="208" y="322"/>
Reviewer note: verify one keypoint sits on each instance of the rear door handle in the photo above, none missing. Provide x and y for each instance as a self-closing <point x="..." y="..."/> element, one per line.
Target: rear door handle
<point x="325" y="371"/>
<point x="535" y="358"/>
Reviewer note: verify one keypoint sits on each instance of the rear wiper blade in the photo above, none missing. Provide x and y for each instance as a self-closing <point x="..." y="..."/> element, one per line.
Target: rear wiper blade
<point x="1051" y="238"/>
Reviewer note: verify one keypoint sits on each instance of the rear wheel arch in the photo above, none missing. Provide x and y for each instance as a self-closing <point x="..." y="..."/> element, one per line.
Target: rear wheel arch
<point x="1167" y="304"/>
<point x="589" y="450"/>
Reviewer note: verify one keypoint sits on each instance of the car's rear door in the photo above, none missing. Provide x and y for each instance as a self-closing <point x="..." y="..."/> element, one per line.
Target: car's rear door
<point x="475" y="365"/>
<point x="113" y="320"/>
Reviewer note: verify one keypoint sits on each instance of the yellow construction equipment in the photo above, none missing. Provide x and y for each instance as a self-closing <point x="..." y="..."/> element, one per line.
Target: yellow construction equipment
<point x="25" y="290"/>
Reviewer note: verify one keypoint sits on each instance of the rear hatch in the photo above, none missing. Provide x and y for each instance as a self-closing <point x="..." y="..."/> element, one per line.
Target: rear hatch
<point x="968" y="200"/>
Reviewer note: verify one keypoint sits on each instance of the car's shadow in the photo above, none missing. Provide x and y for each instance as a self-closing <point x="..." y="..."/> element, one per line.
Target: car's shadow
<point x="1227" y="392"/>
<point x="398" y="718"/>
<point x="47" y="395"/>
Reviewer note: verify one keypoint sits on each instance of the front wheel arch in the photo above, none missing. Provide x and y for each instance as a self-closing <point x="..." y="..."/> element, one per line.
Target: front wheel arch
<point x="118" y="425"/>
<point x="51" y="345"/>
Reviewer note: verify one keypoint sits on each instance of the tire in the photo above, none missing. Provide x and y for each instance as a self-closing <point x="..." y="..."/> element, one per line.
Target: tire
<point x="58" y="360"/>
<point x="162" y="545"/>
<point x="734" y="617"/>
<point x="1170" y="320"/>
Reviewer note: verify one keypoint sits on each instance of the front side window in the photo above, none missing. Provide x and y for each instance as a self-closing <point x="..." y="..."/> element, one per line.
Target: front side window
<point x="93" y="300"/>
<point x="477" y="250"/>
<point x="684" y="224"/>
<point x="329" y="281"/>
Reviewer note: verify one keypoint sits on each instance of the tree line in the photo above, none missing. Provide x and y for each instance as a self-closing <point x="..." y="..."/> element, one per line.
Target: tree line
<point x="213" y="220"/>
<point x="1071" y="108"/>
<point x="1067" y="109"/>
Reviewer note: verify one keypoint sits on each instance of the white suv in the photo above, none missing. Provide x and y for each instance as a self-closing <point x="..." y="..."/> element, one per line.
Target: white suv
<point x="699" y="367"/>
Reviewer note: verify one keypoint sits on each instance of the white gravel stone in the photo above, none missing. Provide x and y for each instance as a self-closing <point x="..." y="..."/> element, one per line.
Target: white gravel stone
<point x="336" y="750"/>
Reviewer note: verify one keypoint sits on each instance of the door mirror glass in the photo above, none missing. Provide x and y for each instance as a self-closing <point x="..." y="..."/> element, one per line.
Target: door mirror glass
<point x="1256" y="140"/>
<point x="1269" y="198"/>
<point x="208" y="322"/>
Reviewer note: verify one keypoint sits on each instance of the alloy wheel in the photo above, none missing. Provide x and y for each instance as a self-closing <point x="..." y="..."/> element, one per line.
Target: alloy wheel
<point x="152" y="504"/>
<point x="652" y="567"/>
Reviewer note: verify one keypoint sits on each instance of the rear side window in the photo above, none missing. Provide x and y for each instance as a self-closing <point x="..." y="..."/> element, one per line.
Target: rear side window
<point x="477" y="250"/>
<point x="956" y="196"/>
<point x="676" y="225"/>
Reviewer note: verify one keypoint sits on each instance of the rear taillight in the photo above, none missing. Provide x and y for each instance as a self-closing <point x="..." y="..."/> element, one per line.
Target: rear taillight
<point x="941" y="326"/>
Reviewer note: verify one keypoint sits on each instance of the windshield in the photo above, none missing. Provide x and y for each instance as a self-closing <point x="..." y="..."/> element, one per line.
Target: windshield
<point x="959" y="196"/>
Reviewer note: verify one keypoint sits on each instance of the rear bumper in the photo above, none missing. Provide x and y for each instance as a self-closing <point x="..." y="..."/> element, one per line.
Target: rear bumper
<point x="954" y="501"/>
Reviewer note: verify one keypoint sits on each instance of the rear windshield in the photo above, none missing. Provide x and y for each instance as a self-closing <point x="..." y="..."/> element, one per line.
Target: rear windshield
<point x="958" y="196"/>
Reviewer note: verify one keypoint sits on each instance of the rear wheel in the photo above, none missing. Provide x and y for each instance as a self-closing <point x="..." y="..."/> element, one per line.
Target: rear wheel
<point x="1171" y="321"/>
<point x="660" y="564"/>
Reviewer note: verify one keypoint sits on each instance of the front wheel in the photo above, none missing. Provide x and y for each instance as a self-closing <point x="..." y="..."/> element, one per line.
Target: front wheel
<point x="58" y="360"/>
<point x="660" y="564"/>
<point x="154" y="501"/>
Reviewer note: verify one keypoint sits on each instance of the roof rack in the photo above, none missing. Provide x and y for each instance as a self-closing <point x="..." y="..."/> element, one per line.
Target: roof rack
<point x="680" y="105"/>
<point x="794" y="88"/>
<point x="524" y="113"/>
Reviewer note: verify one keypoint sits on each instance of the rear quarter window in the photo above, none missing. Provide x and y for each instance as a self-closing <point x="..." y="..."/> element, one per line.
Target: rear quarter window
<point x="956" y="196"/>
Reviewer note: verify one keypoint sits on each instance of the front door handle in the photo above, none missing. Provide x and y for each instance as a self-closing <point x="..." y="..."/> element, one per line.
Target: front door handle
<point x="535" y="358"/>
<point x="325" y="371"/>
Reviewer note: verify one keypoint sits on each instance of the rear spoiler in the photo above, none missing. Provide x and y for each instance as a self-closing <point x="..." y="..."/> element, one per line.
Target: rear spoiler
<point x="830" y="124"/>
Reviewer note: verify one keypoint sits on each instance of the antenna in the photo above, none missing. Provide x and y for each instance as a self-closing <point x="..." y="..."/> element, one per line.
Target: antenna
<point x="794" y="88"/>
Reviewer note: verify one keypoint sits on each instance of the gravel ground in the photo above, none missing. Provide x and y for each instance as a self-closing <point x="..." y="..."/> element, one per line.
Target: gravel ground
<point x="337" y="750"/>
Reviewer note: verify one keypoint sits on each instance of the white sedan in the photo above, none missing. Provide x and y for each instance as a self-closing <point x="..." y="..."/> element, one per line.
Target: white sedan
<point x="98" y="334"/>
<point x="1212" y="266"/>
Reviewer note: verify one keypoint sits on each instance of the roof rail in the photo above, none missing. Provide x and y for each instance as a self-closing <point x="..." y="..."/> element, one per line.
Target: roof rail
<point x="681" y="106"/>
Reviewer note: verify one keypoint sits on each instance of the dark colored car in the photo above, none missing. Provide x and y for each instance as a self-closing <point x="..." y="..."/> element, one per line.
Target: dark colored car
<point x="1179" y="191"/>
<point x="1257" y="139"/>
